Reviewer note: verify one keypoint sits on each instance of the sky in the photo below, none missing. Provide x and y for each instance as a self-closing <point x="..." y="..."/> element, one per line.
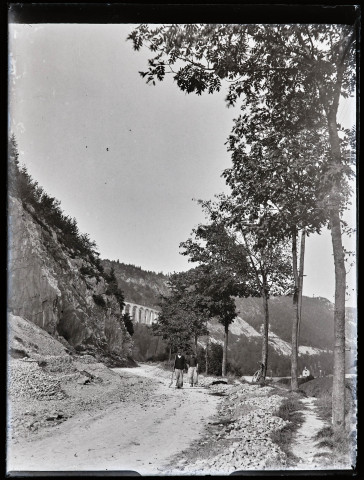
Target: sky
<point x="127" y="159"/>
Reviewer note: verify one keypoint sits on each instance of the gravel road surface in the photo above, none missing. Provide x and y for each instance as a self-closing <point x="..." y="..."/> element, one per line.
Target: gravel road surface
<point x="139" y="436"/>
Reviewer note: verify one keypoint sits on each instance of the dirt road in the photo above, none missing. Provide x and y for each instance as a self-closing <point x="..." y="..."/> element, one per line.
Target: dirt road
<point x="126" y="436"/>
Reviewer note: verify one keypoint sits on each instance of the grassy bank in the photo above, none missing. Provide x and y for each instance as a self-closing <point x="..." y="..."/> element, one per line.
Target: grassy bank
<point x="289" y="410"/>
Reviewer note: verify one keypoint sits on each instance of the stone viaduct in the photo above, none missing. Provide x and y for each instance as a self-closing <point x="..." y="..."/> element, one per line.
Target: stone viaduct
<point x="140" y="313"/>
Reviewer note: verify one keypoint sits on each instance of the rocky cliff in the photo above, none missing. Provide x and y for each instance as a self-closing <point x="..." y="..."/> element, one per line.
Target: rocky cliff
<point x="58" y="290"/>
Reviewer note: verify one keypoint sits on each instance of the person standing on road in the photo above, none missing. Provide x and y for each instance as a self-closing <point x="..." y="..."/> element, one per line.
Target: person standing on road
<point x="192" y="375"/>
<point x="178" y="368"/>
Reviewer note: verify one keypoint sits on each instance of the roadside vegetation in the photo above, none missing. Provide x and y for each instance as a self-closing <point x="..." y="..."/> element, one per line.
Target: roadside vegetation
<point x="340" y="444"/>
<point x="291" y="411"/>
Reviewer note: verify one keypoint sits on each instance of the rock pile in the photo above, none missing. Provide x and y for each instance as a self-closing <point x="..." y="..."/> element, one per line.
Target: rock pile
<point x="247" y="421"/>
<point x="209" y="382"/>
<point x="28" y="380"/>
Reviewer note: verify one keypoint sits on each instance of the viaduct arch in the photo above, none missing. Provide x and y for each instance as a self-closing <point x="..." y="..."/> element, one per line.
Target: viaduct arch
<point x="141" y="313"/>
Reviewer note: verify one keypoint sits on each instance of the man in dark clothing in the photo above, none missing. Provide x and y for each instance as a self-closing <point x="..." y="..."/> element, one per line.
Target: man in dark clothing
<point x="192" y="370"/>
<point x="178" y="367"/>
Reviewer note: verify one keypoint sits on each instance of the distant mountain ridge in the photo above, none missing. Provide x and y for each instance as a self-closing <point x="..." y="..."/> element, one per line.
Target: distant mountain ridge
<point x="317" y="325"/>
<point x="245" y="340"/>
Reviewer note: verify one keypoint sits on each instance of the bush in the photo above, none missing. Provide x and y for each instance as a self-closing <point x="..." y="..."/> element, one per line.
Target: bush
<point x="234" y="369"/>
<point x="288" y="410"/>
<point x="113" y="289"/>
<point x="128" y="322"/>
<point x="85" y="270"/>
<point x="99" y="300"/>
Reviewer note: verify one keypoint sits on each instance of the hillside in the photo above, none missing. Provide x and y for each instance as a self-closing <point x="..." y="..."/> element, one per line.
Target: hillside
<point x="55" y="279"/>
<point x="245" y="340"/>
<point x="315" y="342"/>
<point x="316" y="334"/>
<point x="317" y="319"/>
<point x="317" y="327"/>
<point x="139" y="286"/>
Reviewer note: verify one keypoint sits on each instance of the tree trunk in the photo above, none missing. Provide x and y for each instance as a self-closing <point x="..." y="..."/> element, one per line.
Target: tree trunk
<point x="207" y="355"/>
<point x="170" y="354"/>
<point x="265" y="334"/>
<point x="338" y="387"/>
<point x="302" y="261"/>
<point x="196" y="337"/>
<point x="294" y="354"/>
<point x="224" y="352"/>
<point x="156" y="346"/>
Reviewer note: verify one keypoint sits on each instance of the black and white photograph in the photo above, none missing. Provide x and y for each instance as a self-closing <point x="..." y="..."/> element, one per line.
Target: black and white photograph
<point x="182" y="246"/>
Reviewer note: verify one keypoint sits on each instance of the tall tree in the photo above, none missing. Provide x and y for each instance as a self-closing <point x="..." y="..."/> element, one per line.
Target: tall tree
<point x="288" y="65"/>
<point x="171" y="325"/>
<point x="262" y="266"/>
<point x="114" y="289"/>
<point x="224" y="264"/>
<point x="220" y="287"/>
<point x="276" y="178"/>
<point x="184" y="312"/>
<point x="128" y="322"/>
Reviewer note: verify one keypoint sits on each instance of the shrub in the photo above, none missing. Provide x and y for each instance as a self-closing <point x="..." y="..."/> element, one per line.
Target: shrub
<point x="288" y="410"/>
<point x="113" y="289"/>
<point x="128" y="322"/>
<point x="99" y="300"/>
<point x="324" y="432"/>
<point x="86" y="270"/>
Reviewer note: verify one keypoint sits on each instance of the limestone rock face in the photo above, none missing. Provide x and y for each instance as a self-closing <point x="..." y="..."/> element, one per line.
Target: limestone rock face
<point x="46" y="287"/>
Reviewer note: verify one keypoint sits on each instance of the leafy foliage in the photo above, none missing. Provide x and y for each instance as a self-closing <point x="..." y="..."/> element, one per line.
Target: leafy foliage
<point x="128" y="322"/>
<point x="254" y="263"/>
<point x="99" y="300"/>
<point x="185" y="311"/>
<point x="113" y="288"/>
<point x="222" y="270"/>
<point x="146" y="346"/>
<point x="293" y="76"/>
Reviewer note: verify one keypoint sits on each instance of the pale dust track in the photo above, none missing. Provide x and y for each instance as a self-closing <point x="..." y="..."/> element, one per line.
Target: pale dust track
<point x="305" y="446"/>
<point x="127" y="436"/>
